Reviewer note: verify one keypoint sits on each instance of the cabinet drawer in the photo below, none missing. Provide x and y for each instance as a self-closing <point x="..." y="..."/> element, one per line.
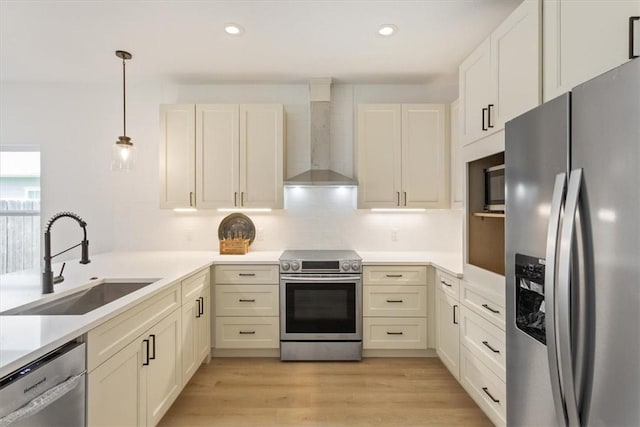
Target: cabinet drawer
<point x="484" y="387"/>
<point x="113" y="335"/>
<point x="394" y="333"/>
<point x="395" y="275"/>
<point x="193" y="287"/>
<point x="247" y="300"/>
<point x="247" y="332"/>
<point x="247" y="274"/>
<point x="483" y="302"/>
<point x="395" y="301"/>
<point x="448" y="284"/>
<point x="485" y="340"/>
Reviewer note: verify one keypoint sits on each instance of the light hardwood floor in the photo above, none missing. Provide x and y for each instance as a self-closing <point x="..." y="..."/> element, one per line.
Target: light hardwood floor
<point x="374" y="392"/>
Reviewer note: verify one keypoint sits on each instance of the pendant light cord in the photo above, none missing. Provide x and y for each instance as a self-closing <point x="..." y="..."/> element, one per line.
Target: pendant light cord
<point x="124" y="97"/>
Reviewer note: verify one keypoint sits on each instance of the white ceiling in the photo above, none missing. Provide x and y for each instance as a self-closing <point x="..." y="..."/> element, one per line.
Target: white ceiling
<point x="285" y="41"/>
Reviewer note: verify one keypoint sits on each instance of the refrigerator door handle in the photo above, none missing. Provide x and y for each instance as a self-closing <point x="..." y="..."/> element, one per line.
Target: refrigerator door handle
<point x="564" y="298"/>
<point x="549" y="295"/>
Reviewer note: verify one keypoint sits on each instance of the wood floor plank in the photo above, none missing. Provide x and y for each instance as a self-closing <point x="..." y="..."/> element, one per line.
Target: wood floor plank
<point x="374" y="392"/>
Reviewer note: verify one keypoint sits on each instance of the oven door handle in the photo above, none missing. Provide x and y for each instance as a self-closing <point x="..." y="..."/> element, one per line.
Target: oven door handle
<point x="319" y="279"/>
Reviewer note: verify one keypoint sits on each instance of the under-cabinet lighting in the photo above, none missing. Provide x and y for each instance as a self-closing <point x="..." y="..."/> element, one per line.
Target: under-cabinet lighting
<point x="185" y="210"/>
<point x="244" y="209"/>
<point x="398" y="210"/>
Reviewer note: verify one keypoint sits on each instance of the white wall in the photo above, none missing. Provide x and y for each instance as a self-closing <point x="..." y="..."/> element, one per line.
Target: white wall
<point x="76" y="126"/>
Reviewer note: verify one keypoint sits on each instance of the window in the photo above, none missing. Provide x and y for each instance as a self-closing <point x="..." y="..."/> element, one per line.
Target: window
<point x="19" y="210"/>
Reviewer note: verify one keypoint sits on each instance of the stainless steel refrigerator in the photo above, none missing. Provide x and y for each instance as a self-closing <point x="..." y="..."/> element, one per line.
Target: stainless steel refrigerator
<point x="573" y="256"/>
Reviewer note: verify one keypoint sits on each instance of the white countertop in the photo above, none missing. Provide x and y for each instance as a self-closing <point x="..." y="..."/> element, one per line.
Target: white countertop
<point x="25" y="338"/>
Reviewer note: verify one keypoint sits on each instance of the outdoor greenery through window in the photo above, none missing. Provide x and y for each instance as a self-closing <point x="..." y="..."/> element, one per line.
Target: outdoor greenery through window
<point x="19" y="210"/>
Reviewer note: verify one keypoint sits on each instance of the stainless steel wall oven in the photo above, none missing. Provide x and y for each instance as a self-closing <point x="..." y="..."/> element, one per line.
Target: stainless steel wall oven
<point x="320" y="305"/>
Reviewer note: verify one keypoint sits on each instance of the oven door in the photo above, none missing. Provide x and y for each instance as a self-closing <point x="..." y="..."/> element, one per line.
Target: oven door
<point x="321" y="307"/>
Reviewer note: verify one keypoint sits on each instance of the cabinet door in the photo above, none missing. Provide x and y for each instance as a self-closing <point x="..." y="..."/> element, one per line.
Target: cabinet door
<point x="425" y="156"/>
<point x="475" y="82"/>
<point x="448" y="332"/>
<point x="190" y="348"/>
<point x="261" y="148"/>
<point x="583" y="39"/>
<point x="379" y="155"/>
<point x="177" y="154"/>
<point x="457" y="164"/>
<point x="515" y="65"/>
<point x="164" y="379"/>
<point x="217" y="155"/>
<point x="116" y="389"/>
<point x="203" y="339"/>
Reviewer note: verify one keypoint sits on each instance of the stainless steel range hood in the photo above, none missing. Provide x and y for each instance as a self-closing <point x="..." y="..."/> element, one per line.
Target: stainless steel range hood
<point x="320" y="139"/>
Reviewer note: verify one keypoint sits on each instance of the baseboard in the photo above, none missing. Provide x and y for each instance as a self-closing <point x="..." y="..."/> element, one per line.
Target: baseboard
<point x="399" y="353"/>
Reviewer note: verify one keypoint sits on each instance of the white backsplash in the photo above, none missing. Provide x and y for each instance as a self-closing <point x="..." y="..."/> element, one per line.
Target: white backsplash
<point x="314" y="218"/>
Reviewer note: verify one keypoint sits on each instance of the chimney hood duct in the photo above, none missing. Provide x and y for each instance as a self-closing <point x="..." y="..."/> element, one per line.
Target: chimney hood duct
<point x="320" y="132"/>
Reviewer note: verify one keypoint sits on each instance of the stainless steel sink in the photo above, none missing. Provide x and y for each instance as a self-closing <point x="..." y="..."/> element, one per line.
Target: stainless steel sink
<point x="83" y="301"/>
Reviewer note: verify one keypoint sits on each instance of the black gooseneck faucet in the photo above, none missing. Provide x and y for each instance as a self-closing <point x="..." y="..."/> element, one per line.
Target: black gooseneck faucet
<point x="47" y="275"/>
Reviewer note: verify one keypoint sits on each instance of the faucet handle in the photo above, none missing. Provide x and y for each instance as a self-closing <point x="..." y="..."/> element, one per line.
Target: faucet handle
<point x="59" y="278"/>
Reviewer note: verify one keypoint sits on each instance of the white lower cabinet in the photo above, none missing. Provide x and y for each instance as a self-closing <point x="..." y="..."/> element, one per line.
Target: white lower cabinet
<point x="448" y="332"/>
<point x="394" y="307"/>
<point x="196" y="332"/>
<point x="137" y="385"/>
<point x="489" y="391"/>
<point x="247" y="332"/>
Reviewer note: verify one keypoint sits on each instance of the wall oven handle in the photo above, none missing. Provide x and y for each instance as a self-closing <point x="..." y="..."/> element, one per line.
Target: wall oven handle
<point x="319" y="279"/>
<point x="43" y="400"/>
<point x="549" y="294"/>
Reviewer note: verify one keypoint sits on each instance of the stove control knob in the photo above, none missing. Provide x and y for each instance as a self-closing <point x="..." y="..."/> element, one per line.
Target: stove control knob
<point x="295" y="266"/>
<point x="355" y="265"/>
<point x="286" y="266"/>
<point x="345" y="266"/>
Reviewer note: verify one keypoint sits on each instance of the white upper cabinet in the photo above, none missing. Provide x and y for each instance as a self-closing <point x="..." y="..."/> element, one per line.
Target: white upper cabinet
<point x="501" y="78"/>
<point x="457" y="164"/>
<point x="583" y="39"/>
<point x="515" y="65"/>
<point x="177" y="151"/>
<point x="425" y="156"/>
<point x="379" y="141"/>
<point x="261" y="148"/>
<point x="222" y="156"/>
<point x="475" y="93"/>
<point x="403" y="156"/>
<point x="217" y="155"/>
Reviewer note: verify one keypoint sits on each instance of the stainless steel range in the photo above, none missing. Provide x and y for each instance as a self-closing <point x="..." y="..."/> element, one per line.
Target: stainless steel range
<point x="320" y="305"/>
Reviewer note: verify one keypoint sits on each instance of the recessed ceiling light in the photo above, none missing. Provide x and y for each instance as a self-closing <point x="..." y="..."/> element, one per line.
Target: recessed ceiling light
<point x="387" y="30"/>
<point x="233" y="29"/>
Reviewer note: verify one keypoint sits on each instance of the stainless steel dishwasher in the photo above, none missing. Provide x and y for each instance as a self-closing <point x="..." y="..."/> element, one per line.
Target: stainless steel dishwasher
<point x="48" y="392"/>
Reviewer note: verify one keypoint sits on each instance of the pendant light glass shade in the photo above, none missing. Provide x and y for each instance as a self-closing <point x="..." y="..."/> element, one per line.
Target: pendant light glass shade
<point x="123" y="152"/>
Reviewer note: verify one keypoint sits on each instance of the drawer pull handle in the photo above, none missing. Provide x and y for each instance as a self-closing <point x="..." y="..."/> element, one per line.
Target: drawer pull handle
<point x="491" y="309"/>
<point x="146" y="344"/>
<point x="486" y="343"/>
<point x="247" y="332"/>
<point x="247" y="300"/>
<point x="198" y="314"/>
<point x="455" y="321"/>
<point x="395" y="333"/>
<point x="395" y="300"/>
<point x="486" y="390"/>
<point x="246" y="274"/>
<point x="445" y="283"/>
<point x="394" y="275"/>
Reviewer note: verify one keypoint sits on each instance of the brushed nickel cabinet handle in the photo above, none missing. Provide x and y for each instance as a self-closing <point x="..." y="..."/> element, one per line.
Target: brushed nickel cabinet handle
<point x="247" y="332"/>
<point x="191" y="198"/>
<point x="394" y="275"/>
<point x="242" y="198"/>
<point x="491" y="309"/>
<point x="405" y="198"/>
<point x="235" y="198"/>
<point x="397" y="198"/>
<point x="486" y="344"/>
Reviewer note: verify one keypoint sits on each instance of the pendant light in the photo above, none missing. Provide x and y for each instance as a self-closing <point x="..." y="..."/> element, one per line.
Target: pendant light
<point x="123" y="153"/>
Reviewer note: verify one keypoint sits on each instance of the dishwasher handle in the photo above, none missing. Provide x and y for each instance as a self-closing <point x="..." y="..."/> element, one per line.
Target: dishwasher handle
<point x="43" y="400"/>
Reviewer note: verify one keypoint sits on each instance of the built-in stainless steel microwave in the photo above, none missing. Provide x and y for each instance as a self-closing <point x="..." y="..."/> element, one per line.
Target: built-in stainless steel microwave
<point x="494" y="189"/>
